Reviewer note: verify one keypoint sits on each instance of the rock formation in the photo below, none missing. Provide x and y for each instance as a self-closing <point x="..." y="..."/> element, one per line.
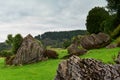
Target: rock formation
<point x="86" y="69"/>
<point x="74" y="50"/>
<point x="51" y="54"/>
<point x="95" y="41"/>
<point x="111" y="46"/>
<point x="118" y="59"/>
<point x="30" y="51"/>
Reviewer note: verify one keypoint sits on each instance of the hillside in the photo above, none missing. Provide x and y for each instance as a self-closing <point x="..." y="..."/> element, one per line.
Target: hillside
<point x="56" y="39"/>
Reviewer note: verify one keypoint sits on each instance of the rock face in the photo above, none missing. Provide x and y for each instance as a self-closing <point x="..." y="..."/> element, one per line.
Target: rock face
<point x="95" y="41"/>
<point x="51" y="54"/>
<point x="86" y="69"/>
<point x="118" y="59"/>
<point x="74" y="50"/>
<point x="30" y="51"/>
<point x="111" y="46"/>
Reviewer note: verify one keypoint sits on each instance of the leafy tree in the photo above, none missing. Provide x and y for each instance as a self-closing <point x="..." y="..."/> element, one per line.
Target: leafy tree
<point x="94" y="19"/>
<point x="15" y="42"/>
<point x="9" y="40"/>
<point x="107" y="25"/>
<point x="113" y="5"/>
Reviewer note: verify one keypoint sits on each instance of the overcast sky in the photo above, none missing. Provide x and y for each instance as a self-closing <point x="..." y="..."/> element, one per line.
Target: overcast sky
<point x="38" y="16"/>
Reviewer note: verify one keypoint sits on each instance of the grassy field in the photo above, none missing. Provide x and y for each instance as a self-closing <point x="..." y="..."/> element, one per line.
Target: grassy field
<point x="46" y="70"/>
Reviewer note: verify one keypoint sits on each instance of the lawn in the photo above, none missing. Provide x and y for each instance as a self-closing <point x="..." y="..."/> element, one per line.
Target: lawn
<point x="46" y="70"/>
<point x="105" y="55"/>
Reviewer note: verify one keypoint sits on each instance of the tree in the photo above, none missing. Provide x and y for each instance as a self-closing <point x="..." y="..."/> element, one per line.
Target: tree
<point x="94" y="19"/>
<point x="113" y="5"/>
<point x="9" y="40"/>
<point x="107" y="26"/>
<point x="15" y="42"/>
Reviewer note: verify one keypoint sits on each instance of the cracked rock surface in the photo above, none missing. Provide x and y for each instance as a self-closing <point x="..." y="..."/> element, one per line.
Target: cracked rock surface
<point x="75" y="68"/>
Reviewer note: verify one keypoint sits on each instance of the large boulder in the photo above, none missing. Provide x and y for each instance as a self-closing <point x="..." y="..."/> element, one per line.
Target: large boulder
<point x="86" y="69"/>
<point x="95" y="41"/>
<point x="111" y="46"/>
<point x="74" y="50"/>
<point x="30" y="51"/>
<point x="51" y="54"/>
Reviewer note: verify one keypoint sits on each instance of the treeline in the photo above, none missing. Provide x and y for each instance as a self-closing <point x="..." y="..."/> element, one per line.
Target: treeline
<point x="57" y="39"/>
<point x="4" y="46"/>
<point x="105" y="19"/>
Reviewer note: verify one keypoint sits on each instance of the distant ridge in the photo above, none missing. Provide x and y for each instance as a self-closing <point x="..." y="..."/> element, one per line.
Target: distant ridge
<point x="60" y="35"/>
<point x="56" y="38"/>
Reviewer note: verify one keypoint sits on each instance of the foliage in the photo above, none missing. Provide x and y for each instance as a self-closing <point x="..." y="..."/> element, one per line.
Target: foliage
<point x="6" y="53"/>
<point x="66" y="43"/>
<point x="94" y="19"/>
<point x="113" y="5"/>
<point x="9" y="40"/>
<point x="77" y="39"/>
<point x="62" y="34"/>
<point x="56" y="39"/>
<point x="108" y="25"/>
<point x="4" y="46"/>
<point x="116" y="32"/>
<point x="15" y="41"/>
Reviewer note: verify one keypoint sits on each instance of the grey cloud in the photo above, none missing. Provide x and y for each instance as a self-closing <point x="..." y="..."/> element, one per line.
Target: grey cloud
<point x="38" y="16"/>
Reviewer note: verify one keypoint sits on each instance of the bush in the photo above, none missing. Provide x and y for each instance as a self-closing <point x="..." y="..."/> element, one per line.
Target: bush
<point x="6" y="53"/>
<point x="16" y="43"/>
<point x="66" y="43"/>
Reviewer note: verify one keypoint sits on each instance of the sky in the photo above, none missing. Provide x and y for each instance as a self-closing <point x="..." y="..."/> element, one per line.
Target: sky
<point x="39" y="16"/>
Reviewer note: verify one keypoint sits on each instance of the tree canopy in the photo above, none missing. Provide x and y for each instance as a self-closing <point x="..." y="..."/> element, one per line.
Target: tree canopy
<point x="94" y="19"/>
<point x="14" y="42"/>
<point x="113" y="5"/>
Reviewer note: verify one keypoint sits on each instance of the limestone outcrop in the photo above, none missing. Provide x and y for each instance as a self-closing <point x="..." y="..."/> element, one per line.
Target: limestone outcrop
<point x="75" y="68"/>
<point x="30" y="51"/>
<point x="95" y="41"/>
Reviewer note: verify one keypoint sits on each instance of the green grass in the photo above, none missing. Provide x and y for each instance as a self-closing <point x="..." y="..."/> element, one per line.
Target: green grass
<point x="46" y="70"/>
<point x="105" y="55"/>
<point x="38" y="71"/>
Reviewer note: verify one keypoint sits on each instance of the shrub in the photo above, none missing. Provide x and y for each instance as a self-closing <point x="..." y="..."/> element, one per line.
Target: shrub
<point x="66" y="43"/>
<point x="16" y="43"/>
<point x="6" y="53"/>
